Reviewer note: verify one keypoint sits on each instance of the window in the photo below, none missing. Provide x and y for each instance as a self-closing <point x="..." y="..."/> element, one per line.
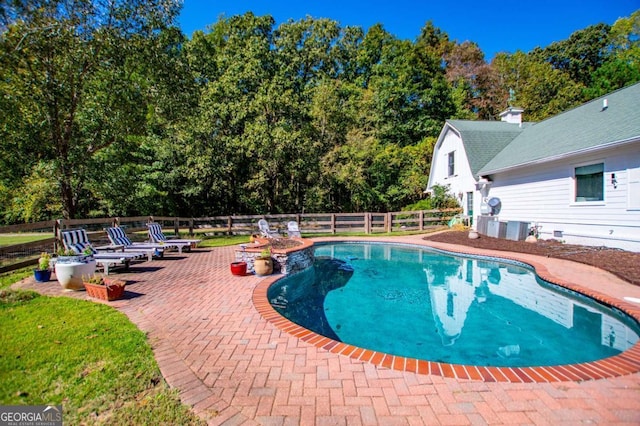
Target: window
<point x="590" y="182"/>
<point x="452" y="163"/>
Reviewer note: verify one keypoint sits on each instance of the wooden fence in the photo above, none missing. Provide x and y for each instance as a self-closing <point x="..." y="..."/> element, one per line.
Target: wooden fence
<point x="20" y="255"/>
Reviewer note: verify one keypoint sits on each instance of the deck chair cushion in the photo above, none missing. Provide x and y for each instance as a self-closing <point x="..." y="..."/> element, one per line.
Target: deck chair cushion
<point x="155" y="232"/>
<point x="118" y="237"/>
<point x="78" y="241"/>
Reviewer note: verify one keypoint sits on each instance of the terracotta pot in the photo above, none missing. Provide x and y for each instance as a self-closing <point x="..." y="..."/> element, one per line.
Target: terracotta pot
<point x="239" y="268"/>
<point x="263" y="266"/>
<point x="110" y="291"/>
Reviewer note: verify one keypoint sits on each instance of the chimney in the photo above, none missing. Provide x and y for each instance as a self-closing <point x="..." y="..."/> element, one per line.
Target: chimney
<point x="512" y="115"/>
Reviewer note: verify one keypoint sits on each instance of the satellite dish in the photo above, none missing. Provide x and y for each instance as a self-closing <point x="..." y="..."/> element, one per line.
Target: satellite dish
<point x="495" y="205"/>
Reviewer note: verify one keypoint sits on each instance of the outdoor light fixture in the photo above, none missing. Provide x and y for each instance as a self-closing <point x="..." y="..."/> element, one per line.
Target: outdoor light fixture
<point x="614" y="181"/>
<point x="483" y="185"/>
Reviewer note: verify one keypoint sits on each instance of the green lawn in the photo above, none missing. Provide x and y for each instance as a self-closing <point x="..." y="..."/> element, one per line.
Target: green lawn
<point x="10" y="239"/>
<point x="86" y="356"/>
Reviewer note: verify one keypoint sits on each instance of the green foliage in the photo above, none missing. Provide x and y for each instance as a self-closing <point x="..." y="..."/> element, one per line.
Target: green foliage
<point x="113" y="112"/>
<point x="439" y="198"/>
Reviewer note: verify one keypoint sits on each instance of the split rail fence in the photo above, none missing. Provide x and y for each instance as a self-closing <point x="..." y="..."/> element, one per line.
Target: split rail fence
<point x="46" y="233"/>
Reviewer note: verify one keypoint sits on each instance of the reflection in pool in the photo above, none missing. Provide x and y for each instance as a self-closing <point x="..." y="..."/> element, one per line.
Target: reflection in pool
<point x="417" y="303"/>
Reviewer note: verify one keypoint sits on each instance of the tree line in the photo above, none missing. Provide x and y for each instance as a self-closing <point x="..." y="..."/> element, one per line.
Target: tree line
<point x="108" y="109"/>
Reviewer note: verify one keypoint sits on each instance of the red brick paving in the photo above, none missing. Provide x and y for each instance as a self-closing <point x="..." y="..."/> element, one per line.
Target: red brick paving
<point x="235" y="367"/>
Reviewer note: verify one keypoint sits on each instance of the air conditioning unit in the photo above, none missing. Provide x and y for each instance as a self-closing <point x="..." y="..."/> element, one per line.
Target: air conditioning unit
<point x="517" y="231"/>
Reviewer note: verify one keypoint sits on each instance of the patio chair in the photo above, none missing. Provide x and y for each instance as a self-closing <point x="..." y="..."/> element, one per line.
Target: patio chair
<point x="77" y="240"/>
<point x="293" y="230"/>
<point x="157" y="236"/>
<point x="265" y="231"/>
<point x="119" y="238"/>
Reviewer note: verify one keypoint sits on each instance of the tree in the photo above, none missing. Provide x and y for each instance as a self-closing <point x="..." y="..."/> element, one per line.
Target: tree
<point x="474" y="82"/>
<point x="622" y="63"/>
<point x="541" y="90"/>
<point x="580" y="55"/>
<point x="74" y="71"/>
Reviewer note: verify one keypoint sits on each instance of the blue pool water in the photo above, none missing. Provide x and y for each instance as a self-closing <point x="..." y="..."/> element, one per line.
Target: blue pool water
<point x="418" y="303"/>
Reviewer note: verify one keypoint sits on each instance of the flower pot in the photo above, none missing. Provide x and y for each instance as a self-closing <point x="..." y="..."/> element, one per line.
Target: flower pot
<point x="239" y="268"/>
<point x="42" y="276"/>
<point x="263" y="266"/>
<point x="112" y="290"/>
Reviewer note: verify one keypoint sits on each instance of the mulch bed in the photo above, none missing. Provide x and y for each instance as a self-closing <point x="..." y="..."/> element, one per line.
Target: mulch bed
<point x="621" y="263"/>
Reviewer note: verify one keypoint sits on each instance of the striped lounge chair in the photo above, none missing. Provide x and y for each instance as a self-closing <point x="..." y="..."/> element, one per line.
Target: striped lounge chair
<point x="77" y="240"/>
<point x="119" y="238"/>
<point x="157" y="236"/>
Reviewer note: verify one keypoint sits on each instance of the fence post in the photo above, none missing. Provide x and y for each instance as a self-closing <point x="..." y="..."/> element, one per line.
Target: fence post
<point x="421" y="220"/>
<point x="229" y="225"/>
<point x="191" y="226"/>
<point x="333" y="223"/>
<point x="367" y="223"/>
<point x="176" y="226"/>
<point x="56" y="231"/>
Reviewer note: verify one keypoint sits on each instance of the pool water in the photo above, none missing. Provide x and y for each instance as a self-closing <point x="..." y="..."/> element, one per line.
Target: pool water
<point x="417" y="303"/>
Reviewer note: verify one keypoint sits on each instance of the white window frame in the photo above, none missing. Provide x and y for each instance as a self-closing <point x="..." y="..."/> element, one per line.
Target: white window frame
<point x="574" y="184"/>
<point x="451" y="164"/>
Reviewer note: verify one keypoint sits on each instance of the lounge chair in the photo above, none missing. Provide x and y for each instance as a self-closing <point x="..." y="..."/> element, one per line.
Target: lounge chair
<point x="265" y="231"/>
<point x="293" y="230"/>
<point x="119" y="238"/>
<point x="156" y="236"/>
<point x="77" y="240"/>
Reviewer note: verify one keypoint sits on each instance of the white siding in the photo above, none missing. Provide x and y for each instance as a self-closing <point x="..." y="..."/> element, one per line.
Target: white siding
<point x="462" y="180"/>
<point x="545" y="194"/>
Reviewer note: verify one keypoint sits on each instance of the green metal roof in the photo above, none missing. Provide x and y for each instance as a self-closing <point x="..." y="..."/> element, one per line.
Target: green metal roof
<point x="483" y="140"/>
<point x="588" y="126"/>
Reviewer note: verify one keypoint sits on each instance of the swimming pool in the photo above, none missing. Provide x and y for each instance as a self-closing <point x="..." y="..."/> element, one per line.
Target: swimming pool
<point x="414" y="303"/>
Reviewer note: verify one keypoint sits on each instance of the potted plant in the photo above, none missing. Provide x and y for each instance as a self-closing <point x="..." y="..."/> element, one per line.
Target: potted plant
<point x="103" y="288"/>
<point x="43" y="273"/>
<point x="68" y="255"/>
<point x="263" y="264"/>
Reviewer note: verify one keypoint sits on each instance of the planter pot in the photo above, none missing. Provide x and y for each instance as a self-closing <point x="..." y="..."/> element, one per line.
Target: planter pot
<point x="69" y="274"/>
<point x="263" y="266"/>
<point x="42" y="276"/>
<point x="112" y="290"/>
<point x="239" y="268"/>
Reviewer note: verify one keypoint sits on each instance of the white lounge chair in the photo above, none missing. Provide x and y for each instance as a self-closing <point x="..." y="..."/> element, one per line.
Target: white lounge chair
<point x="293" y="230"/>
<point x="156" y="236"/>
<point x="265" y="231"/>
<point x="77" y="240"/>
<point x="119" y="238"/>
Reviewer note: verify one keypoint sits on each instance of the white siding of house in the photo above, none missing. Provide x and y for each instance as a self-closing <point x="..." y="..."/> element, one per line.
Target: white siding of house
<point x="462" y="180"/>
<point x="545" y="194"/>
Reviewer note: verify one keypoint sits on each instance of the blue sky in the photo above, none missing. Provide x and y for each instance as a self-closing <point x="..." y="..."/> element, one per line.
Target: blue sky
<point x="495" y="26"/>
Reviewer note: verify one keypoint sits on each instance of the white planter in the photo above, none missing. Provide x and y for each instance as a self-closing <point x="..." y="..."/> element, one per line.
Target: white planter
<point x="69" y="274"/>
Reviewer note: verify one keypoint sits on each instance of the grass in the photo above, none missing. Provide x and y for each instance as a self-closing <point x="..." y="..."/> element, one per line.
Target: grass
<point x="11" y="239"/>
<point x="86" y="356"/>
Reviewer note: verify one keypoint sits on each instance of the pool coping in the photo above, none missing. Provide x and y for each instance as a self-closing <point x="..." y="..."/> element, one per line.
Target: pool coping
<point x="627" y="362"/>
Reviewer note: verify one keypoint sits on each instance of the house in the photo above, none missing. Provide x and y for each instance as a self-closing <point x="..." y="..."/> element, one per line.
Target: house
<point x="575" y="175"/>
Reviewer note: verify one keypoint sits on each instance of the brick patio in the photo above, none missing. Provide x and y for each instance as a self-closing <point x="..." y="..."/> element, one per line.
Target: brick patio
<point x="235" y="367"/>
